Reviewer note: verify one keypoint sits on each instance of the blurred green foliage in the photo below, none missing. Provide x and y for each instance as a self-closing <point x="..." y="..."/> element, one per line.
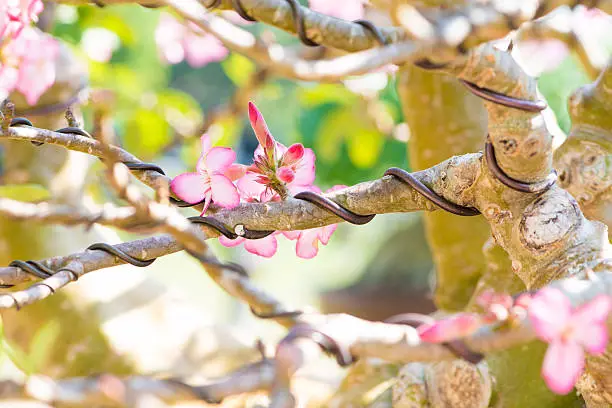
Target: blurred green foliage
<point x="157" y="103"/>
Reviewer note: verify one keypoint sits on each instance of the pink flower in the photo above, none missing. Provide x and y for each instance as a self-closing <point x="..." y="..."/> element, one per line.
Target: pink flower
<point x="252" y="192"/>
<point x="568" y="332"/>
<point x="212" y="180"/>
<point x="33" y="54"/>
<point x="307" y="245"/>
<point x="177" y="41"/>
<point x="344" y="9"/>
<point x="8" y="80"/>
<point x="17" y="14"/>
<point x="292" y="167"/>
<point x="452" y="328"/>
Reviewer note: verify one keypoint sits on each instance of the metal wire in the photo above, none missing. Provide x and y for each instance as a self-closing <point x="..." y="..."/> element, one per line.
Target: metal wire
<point x="297" y="12"/>
<point x="505" y="100"/>
<point x="537" y="187"/>
<point x="276" y="315"/>
<point x="124" y="256"/>
<point x="335" y="208"/>
<point x="326" y="342"/>
<point x="428" y="193"/>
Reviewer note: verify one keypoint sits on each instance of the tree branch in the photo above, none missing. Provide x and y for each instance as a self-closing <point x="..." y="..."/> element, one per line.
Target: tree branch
<point x="401" y="344"/>
<point x="288" y="62"/>
<point x="120" y="217"/>
<point x="109" y="390"/>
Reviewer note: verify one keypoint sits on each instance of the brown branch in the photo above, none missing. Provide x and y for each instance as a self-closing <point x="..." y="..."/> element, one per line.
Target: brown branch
<point x="109" y="390"/>
<point x="287" y="62"/>
<point x="401" y="344"/>
<point x="120" y="217"/>
<point x="379" y="196"/>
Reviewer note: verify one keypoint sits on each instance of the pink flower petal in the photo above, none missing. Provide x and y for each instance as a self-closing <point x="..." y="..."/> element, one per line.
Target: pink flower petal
<point x="291" y="234"/>
<point x="224" y="192"/>
<point x="593" y="338"/>
<point x="37" y="68"/>
<point x="265" y="247"/>
<point x="285" y="174"/>
<point x="230" y="243"/>
<point x="235" y="171"/>
<point x="205" y="144"/>
<point x="169" y="39"/>
<point x="326" y="232"/>
<point x="550" y="312"/>
<point x="260" y="127"/>
<point x="589" y="324"/>
<point x="563" y="364"/>
<point x="207" y="201"/>
<point x="594" y="312"/>
<point x="452" y="328"/>
<point x="219" y="159"/>
<point x="190" y="187"/>
<point x="305" y="172"/>
<point x="202" y="49"/>
<point x="294" y="153"/>
<point x="307" y="244"/>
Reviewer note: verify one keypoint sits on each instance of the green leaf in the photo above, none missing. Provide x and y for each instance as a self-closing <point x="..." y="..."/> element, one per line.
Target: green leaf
<point x="41" y="344"/>
<point x="238" y="68"/>
<point x="146" y="133"/>
<point x="559" y="84"/>
<point x="331" y="133"/>
<point x="364" y="146"/>
<point x="180" y="110"/>
<point x="25" y="192"/>
<point x="326" y="93"/>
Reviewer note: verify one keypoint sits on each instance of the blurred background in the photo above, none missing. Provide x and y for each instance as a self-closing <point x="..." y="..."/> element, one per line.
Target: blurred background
<point x="171" y="318"/>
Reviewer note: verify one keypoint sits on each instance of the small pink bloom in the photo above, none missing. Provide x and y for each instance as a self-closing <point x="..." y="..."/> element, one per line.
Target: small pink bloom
<point x="307" y="245"/>
<point x="8" y="80"/>
<point x="202" y="48"/>
<point x="210" y="182"/>
<point x="15" y="15"/>
<point x="344" y="9"/>
<point x="177" y="41"/>
<point x="36" y="53"/>
<point x="452" y="328"/>
<point x="569" y="332"/>
<point x="294" y="167"/>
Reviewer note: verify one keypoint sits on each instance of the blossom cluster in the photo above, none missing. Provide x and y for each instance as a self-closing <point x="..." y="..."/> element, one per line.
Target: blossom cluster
<point x="177" y="41"/>
<point x="27" y="56"/>
<point x="277" y="172"/>
<point x="568" y="331"/>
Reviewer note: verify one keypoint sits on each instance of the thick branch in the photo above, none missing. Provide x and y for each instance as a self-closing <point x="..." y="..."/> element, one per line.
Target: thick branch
<point x="452" y="179"/>
<point x="287" y="62"/>
<point x="401" y="344"/>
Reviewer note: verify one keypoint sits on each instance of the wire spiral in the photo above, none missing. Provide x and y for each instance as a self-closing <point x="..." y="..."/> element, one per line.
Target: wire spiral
<point x="326" y="342"/>
<point x="297" y="12"/>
